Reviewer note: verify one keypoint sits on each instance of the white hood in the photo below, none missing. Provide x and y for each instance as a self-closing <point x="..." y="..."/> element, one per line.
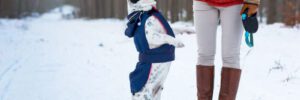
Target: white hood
<point x="141" y="5"/>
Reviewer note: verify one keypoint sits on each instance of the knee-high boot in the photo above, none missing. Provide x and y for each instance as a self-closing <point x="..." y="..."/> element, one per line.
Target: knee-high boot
<point x="230" y="78"/>
<point x="205" y="82"/>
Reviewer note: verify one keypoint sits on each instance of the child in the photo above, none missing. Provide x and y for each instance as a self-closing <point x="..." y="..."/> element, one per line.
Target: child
<point x="155" y="41"/>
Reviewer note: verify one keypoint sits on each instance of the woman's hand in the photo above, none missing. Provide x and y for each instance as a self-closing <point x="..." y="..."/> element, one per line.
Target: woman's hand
<point x="252" y="9"/>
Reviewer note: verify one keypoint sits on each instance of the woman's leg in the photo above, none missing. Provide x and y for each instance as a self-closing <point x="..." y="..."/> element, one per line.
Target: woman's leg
<point x="206" y="21"/>
<point x="232" y="29"/>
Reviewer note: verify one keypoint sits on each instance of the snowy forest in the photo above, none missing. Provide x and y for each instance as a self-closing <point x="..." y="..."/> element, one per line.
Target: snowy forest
<point x="77" y="50"/>
<point x="286" y="11"/>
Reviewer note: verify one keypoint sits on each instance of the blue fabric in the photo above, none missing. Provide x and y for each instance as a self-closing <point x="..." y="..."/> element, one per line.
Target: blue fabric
<point x="139" y="77"/>
<point x="164" y="53"/>
<point x="132" y="23"/>
<point x="248" y="35"/>
<point x="249" y="39"/>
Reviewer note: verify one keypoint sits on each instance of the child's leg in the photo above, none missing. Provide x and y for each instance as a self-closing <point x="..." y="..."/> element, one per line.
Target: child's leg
<point x="154" y="85"/>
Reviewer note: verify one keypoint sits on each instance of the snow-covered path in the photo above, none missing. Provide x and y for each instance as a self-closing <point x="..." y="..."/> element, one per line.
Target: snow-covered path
<point x="53" y="59"/>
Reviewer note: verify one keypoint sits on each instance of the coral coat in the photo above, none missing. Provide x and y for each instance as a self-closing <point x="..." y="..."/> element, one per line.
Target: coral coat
<point x="225" y="3"/>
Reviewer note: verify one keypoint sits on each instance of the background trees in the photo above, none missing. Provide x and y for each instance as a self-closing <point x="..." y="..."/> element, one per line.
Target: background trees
<point x="286" y="11"/>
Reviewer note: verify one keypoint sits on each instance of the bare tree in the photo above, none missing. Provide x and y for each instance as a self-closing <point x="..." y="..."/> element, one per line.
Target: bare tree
<point x="286" y="11"/>
<point x="290" y="12"/>
<point x="271" y="11"/>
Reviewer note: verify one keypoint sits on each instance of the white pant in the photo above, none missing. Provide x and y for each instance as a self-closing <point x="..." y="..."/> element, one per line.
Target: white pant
<point x="154" y="86"/>
<point x="206" y="20"/>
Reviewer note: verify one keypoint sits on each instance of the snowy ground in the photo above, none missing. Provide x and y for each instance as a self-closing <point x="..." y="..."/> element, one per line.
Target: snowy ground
<point x="54" y="59"/>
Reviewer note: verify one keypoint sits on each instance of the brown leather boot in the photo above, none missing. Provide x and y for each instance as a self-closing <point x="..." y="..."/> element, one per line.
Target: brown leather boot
<point x="230" y="79"/>
<point x="205" y="82"/>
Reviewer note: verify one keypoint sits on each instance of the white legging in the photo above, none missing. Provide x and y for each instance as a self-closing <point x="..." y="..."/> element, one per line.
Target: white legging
<point x="206" y="19"/>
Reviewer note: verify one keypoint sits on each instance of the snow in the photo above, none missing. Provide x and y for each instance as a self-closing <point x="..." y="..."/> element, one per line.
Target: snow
<point x="49" y="58"/>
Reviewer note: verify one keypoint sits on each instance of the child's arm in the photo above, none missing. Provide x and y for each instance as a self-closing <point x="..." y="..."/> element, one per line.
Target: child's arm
<point x="157" y="35"/>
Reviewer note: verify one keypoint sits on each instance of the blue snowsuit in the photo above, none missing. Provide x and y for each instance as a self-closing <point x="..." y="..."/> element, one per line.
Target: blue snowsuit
<point x="147" y="56"/>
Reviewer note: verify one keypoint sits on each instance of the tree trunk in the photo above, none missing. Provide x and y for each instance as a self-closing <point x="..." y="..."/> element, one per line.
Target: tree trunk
<point x="271" y="12"/>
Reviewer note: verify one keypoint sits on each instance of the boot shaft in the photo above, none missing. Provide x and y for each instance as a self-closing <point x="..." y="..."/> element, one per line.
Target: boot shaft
<point x="230" y="78"/>
<point x="205" y="82"/>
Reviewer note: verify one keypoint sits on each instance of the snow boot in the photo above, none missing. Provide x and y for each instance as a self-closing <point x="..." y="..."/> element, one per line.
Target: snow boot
<point x="230" y="78"/>
<point x="205" y="82"/>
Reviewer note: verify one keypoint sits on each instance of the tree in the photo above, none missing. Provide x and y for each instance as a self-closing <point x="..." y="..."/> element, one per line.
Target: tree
<point x="271" y="11"/>
<point x="290" y="12"/>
